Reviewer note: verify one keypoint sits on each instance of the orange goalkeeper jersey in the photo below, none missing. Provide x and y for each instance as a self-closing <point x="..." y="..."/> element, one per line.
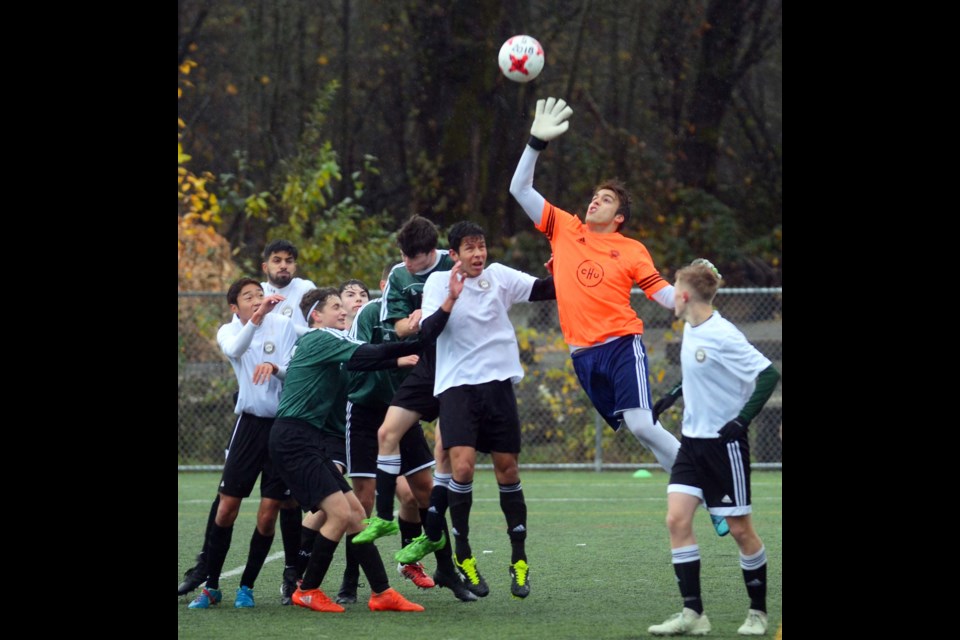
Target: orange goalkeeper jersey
<point x="593" y="274"/>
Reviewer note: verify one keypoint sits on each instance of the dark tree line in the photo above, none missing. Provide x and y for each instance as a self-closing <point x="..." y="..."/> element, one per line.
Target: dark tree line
<point x="682" y="99"/>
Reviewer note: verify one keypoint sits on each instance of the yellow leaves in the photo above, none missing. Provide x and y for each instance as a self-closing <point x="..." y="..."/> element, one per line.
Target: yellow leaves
<point x="323" y="60"/>
<point x="232" y="89"/>
<point x="187" y="65"/>
<point x="264" y="80"/>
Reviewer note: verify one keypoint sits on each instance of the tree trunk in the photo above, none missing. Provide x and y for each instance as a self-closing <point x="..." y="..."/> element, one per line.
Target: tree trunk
<point x="700" y="145"/>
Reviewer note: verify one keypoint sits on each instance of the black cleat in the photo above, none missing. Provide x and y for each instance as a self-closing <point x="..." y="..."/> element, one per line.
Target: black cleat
<point x="453" y="582"/>
<point x="193" y="577"/>
<point x="471" y="577"/>
<point x="347" y="593"/>
<point x="520" y="579"/>
<point x="289" y="585"/>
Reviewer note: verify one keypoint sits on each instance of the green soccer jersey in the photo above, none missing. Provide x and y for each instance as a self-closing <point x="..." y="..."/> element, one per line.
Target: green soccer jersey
<point x="369" y="388"/>
<point x="404" y="293"/>
<point x="313" y="380"/>
<point x="337" y="418"/>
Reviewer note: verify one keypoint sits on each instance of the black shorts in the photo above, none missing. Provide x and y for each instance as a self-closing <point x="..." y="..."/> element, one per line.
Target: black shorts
<point x="247" y="458"/>
<point x="416" y="392"/>
<point x="336" y="448"/>
<point x="482" y="416"/>
<point x="715" y="471"/>
<point x="298" y="452"/>
<point x="363" y="422"/>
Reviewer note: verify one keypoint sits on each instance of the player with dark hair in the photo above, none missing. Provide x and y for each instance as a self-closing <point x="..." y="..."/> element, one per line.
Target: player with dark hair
<point x="414" y="401"/>
<point x="258" y="344"/>
<point x="297" y="446"/>
<point x="726" y="382"/>
<point x="280" y="267"/>
<point x="478" y="362"/>
<point x="595" y="267"/>
<point x="369" y="397"/>
<point x="354" y="294"/>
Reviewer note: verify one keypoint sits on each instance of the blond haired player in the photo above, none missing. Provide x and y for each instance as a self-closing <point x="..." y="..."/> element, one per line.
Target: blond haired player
<point x="726" y="382"/>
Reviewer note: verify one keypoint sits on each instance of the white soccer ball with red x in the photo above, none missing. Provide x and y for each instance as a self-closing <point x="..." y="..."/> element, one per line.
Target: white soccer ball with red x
<point x="521" y="58"/>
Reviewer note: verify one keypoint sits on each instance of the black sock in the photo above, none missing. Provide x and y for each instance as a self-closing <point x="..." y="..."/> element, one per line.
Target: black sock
<point x="369" y="558"/>
<point x="290" y="520"/>
<point x="351" y="573"/>
<point x="515" y="510"/>
<point x="461" y="501"/>
<point x="308" y="537"/>
<point x="445" y="556"/>
<point x="386" y="485"/>
<point x="211" y="520"/>
<point x="219" y="546"/>
<point x="755" y="577"/>
<point x="320" y="559"/>
<point x="408" y="531"/>
<point x="259" y="548"/>
<point x="686" y="564"/>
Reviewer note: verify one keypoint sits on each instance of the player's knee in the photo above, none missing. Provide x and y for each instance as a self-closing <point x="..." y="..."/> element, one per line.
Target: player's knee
<point x="228" y="510"/>
<point x="742" y="530"/>
<point x="679" y="524"/>
<point x="387" y="436"/>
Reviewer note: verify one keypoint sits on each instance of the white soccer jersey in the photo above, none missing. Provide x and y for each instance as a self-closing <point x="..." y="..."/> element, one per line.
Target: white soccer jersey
<point x="290" y="307"/>
<point x="720" y="370"/>
<point x="246" y="346"/>
<point x="479" y="343"/>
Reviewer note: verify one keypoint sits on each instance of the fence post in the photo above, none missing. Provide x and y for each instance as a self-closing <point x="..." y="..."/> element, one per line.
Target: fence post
<point x="598" y="445"/>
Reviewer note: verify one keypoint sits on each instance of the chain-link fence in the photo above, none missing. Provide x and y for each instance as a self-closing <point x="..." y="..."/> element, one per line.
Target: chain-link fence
<point x="560" y="426"/>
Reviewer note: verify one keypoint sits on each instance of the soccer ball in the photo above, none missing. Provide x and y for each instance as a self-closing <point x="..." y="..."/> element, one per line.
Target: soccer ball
<point x="521" y="58"/>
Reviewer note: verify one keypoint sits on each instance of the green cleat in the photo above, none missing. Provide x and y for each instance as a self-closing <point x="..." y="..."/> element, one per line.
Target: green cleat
<point x="376" y="528"/>
<point x="418" y="548"/>
<point x="471" y="577"/>
<point x="520" y="579"/>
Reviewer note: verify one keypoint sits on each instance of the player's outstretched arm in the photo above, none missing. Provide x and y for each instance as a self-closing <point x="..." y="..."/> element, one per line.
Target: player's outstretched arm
<point x="372" y="357"/>
<point x="552" y="120"/>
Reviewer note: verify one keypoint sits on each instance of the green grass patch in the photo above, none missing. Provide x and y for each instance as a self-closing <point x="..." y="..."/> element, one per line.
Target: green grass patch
<point x="598" y="551"/>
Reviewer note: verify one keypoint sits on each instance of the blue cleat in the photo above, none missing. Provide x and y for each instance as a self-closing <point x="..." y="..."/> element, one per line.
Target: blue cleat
<point x="206" y="599"/>
<point x="244" y="598"/>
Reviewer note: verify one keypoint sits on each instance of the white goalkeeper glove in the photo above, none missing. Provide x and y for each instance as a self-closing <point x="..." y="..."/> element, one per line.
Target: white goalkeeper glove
<point x="551" y="121"/>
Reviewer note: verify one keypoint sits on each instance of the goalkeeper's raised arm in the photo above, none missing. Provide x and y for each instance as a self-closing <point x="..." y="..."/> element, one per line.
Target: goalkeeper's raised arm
<point x="551" y="121"/>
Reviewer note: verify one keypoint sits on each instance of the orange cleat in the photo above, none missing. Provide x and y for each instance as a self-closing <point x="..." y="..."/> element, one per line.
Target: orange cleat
<point x="414" y="572"/>
<point x="315" y="599"/>
<point x="390" y="600"/>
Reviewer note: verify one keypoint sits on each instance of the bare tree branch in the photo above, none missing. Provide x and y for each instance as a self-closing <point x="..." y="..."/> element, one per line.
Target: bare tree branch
<point x="184" y="40"/>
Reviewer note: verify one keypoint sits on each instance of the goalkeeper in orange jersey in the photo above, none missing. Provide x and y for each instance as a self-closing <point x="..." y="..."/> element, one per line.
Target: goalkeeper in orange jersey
<point x="594" y="269"/>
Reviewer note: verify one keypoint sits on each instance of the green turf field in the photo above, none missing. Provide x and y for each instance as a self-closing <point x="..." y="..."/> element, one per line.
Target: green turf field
<point x="598" y="551"/>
